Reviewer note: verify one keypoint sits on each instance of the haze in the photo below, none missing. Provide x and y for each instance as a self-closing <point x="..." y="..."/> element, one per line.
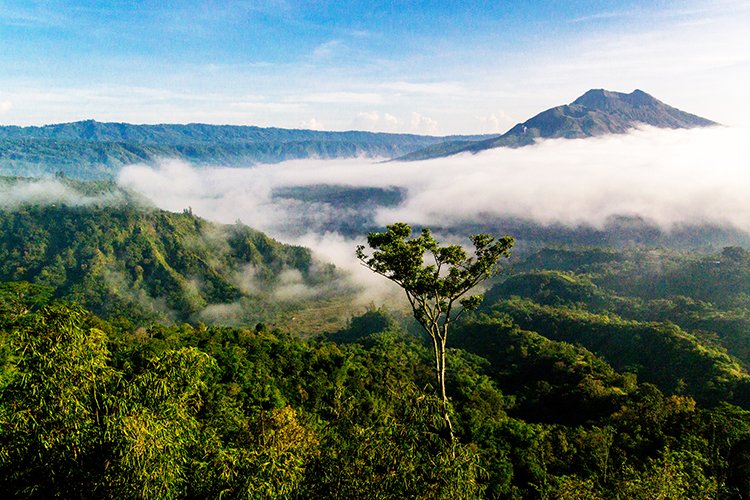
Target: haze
<point x="669" y="177"/>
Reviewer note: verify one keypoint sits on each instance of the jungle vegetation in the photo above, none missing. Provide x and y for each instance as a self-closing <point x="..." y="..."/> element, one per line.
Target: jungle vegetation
<point x="584" y="373"/>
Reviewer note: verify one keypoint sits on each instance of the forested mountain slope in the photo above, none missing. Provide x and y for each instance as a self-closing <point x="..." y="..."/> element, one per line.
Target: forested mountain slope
<point x="124" y="259"/>
<point x="91" y="149"/>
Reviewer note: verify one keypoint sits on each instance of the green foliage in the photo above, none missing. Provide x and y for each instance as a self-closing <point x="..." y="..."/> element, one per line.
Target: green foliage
<point x="54" y="389"/>
<point x="154" y="431"/>
<point x="671" y="476"/>
<point x="433" y="287"/>
<point x="660" y="353"/>
<point x="147" y="264"/>
<point x="551" y="382"/>
<point x="89" y="410"/>
<point x="552" y="288"/>
<point x="638" y="285"/>
<point x="371" y="322"/>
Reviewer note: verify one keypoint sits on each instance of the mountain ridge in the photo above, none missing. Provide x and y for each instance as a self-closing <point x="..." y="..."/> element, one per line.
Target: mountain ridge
<point x="596" y="112"/>
<point x="178" y="133"/>
<point x="94" y="150"/>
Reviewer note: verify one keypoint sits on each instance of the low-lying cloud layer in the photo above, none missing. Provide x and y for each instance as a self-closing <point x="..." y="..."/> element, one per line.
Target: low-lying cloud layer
<point x="667" y="176"/>
<point x="670" y="178"/>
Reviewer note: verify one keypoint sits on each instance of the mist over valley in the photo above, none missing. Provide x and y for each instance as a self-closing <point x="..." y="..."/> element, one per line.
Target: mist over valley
<point x="668" y="182"/>
<point x="676" y="183"/>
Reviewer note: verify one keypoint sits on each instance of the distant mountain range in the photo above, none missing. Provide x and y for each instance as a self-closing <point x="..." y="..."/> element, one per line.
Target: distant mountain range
<point x="597" y="112"/>
<point x="91" y="149"/>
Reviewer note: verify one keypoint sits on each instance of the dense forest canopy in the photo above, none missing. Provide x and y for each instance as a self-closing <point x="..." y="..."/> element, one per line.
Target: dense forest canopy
<point x="197" y="411"/>
<point x="153" y="354"/>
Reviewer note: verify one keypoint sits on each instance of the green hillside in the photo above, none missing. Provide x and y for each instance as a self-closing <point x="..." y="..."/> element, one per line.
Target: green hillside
<point x="145" y="263"/>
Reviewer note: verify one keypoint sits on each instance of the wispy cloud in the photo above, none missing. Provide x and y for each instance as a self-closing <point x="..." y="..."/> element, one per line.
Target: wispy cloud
<point x="432" y="88"/>
<point x="265" y="106"/>
<point x="49" y="191"/>
<point x="599" y="16"/>
<point x="342" y="97"/>
<point x="327" y="49"/>
<point x="32" y="14"/>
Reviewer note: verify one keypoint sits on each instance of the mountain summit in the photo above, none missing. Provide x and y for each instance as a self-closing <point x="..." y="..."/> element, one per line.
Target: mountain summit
<point x="597" y="112"/>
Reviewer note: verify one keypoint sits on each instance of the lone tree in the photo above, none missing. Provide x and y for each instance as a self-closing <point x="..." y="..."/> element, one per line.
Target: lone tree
<point x="436" y="280"/>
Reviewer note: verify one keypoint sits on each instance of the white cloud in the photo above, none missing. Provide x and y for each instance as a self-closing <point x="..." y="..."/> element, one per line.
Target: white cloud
<point x="600" y="16"/>
<point x="423" y="125"/>
<point x="494" y="123"/>
<point x="312" y="124"/>
<point x="332" y="247"/>
<point x="433" y="88"/>
<point x="273" y="107"/>
<point x="5" y="106"/>
<point x="669" y="176"/>
<point x="376" y="122"/>
<point x="32" y="15"/>
<point x="338" y="98"/>
<point x="366" y="120"/>
<point x="48" y="191"/>
<point x="390" y="121"/>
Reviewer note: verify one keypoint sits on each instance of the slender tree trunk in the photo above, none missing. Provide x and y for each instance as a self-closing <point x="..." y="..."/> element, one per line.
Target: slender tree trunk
<point x="436" y="351"/>
<point x="444" y="399"/>
<point x="438" y="345"/>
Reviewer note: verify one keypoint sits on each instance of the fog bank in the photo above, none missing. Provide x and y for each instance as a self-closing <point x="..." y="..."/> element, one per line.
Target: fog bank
<point x="668" y="177"/>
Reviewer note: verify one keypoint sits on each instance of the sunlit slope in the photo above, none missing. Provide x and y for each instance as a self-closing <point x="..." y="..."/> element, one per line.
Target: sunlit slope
<point x="149" y="263"/>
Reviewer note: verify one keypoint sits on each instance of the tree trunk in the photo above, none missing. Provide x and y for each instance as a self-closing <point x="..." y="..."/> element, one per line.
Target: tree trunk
<point x="444" y="399"/>
<point x="436" y="352"/>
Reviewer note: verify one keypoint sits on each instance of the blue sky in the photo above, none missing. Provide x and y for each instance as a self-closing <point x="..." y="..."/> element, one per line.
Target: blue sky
<point x="438" y="67"/>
